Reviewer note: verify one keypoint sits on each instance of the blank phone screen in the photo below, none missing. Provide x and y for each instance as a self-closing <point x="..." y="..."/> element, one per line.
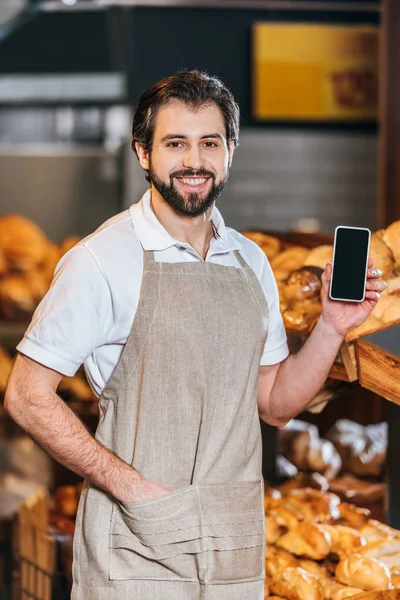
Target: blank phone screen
<point x="350" y="261"/>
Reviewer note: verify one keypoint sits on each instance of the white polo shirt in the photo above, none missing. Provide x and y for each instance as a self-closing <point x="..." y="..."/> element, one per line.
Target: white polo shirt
<point x="86" y="316"/>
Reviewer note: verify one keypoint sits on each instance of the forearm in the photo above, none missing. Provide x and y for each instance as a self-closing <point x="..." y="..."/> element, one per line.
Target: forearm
<point x="302" y="375"/>
<point x="59" y="431"/>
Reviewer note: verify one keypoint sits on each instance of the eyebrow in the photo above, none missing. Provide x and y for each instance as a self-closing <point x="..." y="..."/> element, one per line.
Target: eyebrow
<point x="177" y="136"/>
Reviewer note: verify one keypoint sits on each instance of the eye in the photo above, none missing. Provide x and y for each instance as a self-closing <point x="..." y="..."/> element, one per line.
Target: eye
<point x="174" y="145"/>
<point x="211" y="144"/>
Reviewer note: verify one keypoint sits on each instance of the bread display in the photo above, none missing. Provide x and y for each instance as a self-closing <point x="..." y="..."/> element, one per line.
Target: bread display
<point x="23" y="243"/>
<point x="27" y="263"/>
<point x="298" y="270"/>
<point x="300" y="443"/>
<point x="362" y="449"/>
<point x="342" y="555"/>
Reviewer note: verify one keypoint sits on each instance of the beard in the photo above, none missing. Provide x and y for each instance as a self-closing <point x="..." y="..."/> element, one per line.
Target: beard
<point x="193" y="204"/>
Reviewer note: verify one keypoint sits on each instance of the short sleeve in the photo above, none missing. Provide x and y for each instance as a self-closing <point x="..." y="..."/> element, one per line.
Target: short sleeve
<point x="276" y="348"/>
<point x="74" y="318"/>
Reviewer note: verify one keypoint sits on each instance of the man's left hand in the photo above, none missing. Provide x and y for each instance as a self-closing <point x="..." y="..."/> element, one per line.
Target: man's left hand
<point x="342" y="317"/>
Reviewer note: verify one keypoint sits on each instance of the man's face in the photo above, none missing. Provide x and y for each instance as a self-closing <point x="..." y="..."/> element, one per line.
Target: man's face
<point x="190" y="158"/>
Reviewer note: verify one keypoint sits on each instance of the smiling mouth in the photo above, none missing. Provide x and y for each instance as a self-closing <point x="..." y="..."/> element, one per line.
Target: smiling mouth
<point x="193" y="183"/>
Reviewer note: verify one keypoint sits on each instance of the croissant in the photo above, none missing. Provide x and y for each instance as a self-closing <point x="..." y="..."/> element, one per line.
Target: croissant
<point x="295" y="583"/>
<point x="277" y="560"/>
<point x="363" y="572"/>
<point x="308" y="540"/>
<point x="345" y="539"/>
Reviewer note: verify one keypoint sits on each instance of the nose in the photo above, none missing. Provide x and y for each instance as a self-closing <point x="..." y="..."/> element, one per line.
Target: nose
<point x="192" y="158"/>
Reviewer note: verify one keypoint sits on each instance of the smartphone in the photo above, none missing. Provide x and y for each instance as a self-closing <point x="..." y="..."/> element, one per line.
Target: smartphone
<point x="350" y="264"/>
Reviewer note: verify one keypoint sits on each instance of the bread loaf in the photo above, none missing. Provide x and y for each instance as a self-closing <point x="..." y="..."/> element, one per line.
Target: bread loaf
<point x="391" y="237"/>
<point x="319" y="256"/>
<point x="345" y="539"/>
<point x="290" y="259"/>
<point x="363" y="572"/>
<point x="295" y="583"/>
<point x="307" y="540"/>
<point x="382" y="255"/>
<point x="277" y="560"/>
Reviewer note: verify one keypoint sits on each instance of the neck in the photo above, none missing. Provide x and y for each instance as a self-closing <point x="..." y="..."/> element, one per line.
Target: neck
<point x="196" y="231"/>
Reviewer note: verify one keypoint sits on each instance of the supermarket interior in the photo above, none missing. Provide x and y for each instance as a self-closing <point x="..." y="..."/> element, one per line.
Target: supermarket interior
<point x="318" y="87"/>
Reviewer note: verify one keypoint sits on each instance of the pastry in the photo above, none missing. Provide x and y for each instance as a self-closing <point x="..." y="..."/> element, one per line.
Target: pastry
<point x="290" y="259"/>
<point x="382" y="547"/>
<point x="17" y="298"/>
<point x="354" y="516"/>
<point x="294" y="440"/>
<point x="375" y="530"/>
<point x="315" y="481"/>
<point x="295" y="583"/>
<point x="333" y="590"/>
<point x="345" y="539"/>
<point x="303" y="284"/>
<point x="277" y="560"/>
<point x="302" y="316"/>
<point x="312" y="567"/>
<point x="272" y="529"/>
<point x="384" y="303"/>
<point x="363" y="572"/>
<point x="391" y="237"/>
<point x="281" y="275"/>
<point x="324" y="458"/>
<point x="319" y="256"/>
<point x="380" y="253"/>
<point x="23" y="243"/>
<point x="313" y="505"/>
<point x="307" y="540"/>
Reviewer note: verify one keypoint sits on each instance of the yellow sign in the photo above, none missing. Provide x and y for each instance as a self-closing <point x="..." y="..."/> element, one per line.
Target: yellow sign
<point x="315" y="72"/>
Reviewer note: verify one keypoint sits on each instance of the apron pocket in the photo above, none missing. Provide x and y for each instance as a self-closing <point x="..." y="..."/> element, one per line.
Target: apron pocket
<point x="157" y="539"/>
<point x="233" y="532"/>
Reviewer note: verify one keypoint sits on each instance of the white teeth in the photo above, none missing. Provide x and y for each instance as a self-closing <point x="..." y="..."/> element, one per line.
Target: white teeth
<point x="193" y="181"/>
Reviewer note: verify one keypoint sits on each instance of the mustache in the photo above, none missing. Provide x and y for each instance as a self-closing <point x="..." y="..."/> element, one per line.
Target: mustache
<point x="192" y="174"/>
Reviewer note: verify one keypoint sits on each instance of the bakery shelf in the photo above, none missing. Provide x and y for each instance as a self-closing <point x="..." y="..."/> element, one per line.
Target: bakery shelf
<point x="11" y="333"/>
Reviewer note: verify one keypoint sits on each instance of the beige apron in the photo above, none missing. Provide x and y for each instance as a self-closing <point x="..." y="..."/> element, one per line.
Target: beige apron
<point x="181" y="407"/>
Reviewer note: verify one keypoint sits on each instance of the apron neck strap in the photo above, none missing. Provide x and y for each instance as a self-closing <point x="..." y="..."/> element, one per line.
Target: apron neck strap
<point x="241" y="260"/>
<point x="148" y="258"/>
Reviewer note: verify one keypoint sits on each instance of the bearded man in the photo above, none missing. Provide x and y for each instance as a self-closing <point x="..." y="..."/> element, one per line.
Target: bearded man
<point x="176" y="319"/>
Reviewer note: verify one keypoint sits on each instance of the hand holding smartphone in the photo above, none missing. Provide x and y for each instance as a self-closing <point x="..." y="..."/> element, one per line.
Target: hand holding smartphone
<point x="350" y="264"/>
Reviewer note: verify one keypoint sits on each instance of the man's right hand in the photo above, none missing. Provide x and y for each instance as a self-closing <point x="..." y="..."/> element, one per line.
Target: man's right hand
<point x="143" y="489"/>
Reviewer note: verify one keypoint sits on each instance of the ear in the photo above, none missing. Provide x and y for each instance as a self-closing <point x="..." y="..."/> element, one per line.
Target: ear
<point x="231" y="149"/>
<point x="143" y="156"/>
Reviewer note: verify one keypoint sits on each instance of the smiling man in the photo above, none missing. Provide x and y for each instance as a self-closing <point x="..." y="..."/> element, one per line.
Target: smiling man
<point x="176" y="319"/>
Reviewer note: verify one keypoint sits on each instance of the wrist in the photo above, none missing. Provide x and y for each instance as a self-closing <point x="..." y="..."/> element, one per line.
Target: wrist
<point x="126" y="483"/>
<point x="330" y="331"/>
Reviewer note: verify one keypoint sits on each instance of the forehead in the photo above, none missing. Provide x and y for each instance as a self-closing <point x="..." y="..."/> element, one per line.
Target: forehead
<point x="178" y="118"/>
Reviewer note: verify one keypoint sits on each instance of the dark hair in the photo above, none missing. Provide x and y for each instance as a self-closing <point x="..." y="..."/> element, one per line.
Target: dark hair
<point x="194" y="88"/>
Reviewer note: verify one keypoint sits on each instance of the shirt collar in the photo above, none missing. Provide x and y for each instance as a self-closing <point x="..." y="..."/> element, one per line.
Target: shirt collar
<point x="153" y="236"/>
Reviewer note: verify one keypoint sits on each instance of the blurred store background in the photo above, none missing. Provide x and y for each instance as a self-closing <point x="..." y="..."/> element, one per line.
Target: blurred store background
<point x="72" y="71"/>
